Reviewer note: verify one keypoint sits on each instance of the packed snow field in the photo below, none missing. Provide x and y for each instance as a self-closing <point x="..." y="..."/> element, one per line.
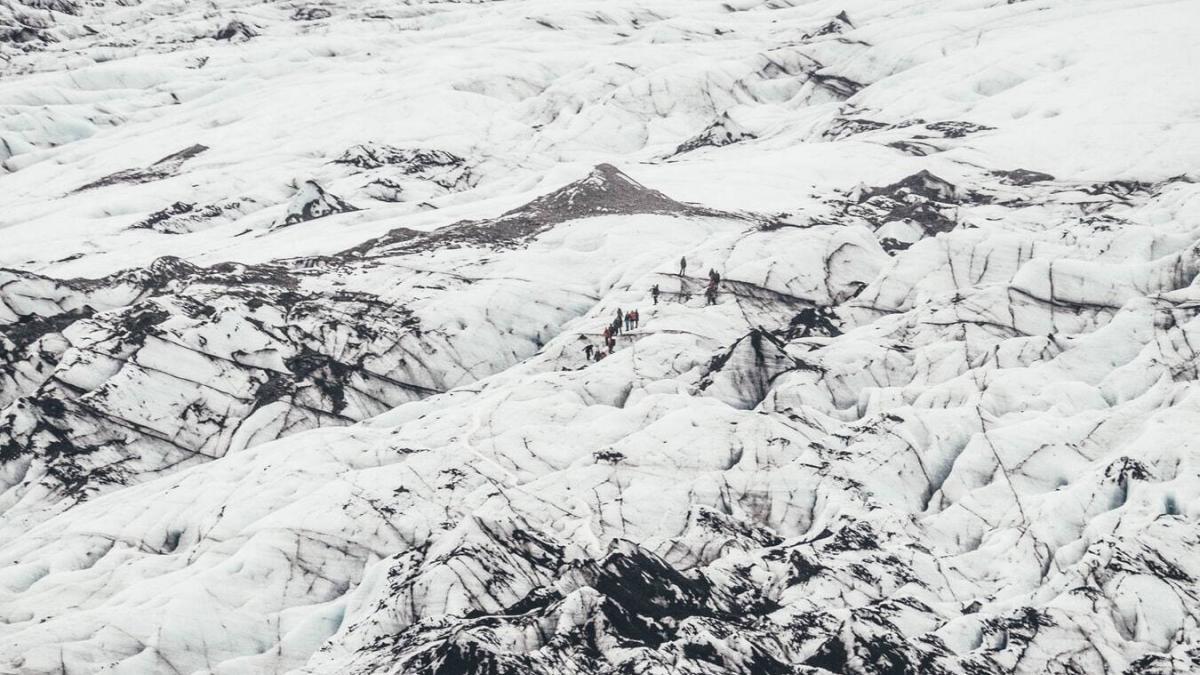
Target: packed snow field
<point x="300" y="302"/>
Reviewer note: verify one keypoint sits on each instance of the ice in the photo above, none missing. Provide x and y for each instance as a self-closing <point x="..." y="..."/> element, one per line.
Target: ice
<point x="294" y="301"/>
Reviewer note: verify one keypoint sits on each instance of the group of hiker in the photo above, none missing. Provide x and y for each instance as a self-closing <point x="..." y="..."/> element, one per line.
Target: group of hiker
<point x="628" y="321"/>
<point x="710" y="293"/>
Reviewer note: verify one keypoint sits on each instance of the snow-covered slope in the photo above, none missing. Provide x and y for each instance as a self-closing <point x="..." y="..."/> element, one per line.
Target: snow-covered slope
<point x="294" y="301"/>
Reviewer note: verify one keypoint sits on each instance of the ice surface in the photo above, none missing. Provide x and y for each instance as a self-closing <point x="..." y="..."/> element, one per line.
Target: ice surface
<point x="294" y="301"/>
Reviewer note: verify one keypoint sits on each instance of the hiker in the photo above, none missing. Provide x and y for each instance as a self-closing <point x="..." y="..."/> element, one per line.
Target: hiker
<point x="654" y="293"/>
<point x="710" y="294"/>
<point x="620" y="320"/>
<point x="628" y="321"/>
<point x="587" y="351"/>
<point x="635" y="316"/>
<point x="756" y="344"/>
<point x="714" y="276"/>
<point x="682" y="265"/>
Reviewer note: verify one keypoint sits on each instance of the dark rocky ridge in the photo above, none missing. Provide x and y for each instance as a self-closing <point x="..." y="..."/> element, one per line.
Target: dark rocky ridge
<point x="605" y="191"/>
<point x="311" y="202"/>
<point x="724" y="131"/>
<point x="163" y="168"/>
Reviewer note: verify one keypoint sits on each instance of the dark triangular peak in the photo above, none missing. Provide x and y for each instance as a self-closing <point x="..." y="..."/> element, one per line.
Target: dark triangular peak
<point x="923" y="184"/>
<point x="724" y="131"/>
<point x="310" y="202"/>
<point x="838" y="24"/>
<point x="604" y="191"/>
<point x="235" y="30"/>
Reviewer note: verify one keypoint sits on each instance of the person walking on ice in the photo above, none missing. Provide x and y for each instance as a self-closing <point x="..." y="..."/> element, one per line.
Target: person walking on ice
<point x="682" y="265"/>
<point x="654" y="293"/>
<point x="587" y="351"/>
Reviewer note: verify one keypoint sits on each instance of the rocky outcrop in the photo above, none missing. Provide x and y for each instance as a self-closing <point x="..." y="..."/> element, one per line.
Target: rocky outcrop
<point x="163" y="168"/>
<point x="605" y="191"/>
<point x="310" y="202"/>
<point x="724" y="131"/>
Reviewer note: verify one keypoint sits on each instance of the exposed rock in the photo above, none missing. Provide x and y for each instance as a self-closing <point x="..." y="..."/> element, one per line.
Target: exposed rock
<point x="1021" y="177"/>
<point x="724" y="131"/>
<point x="186" y="217"/>
<point x="163" y="168"/>
<point x="311" y="202"/>
<point x="408" y="160"/>
<point x="605" y="191"/>
<point x="923" y="200"/>
<point x="311" y="14"/>
<point x="952" y="129"/>
<point x="235" y="30"/>
<point x="839" y="24"/>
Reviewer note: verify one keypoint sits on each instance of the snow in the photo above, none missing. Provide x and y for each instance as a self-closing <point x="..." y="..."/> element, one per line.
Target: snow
<point x="294" y="301"/>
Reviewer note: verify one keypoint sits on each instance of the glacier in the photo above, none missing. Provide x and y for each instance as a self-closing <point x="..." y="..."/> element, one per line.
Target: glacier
<point x="298" y="301"/>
